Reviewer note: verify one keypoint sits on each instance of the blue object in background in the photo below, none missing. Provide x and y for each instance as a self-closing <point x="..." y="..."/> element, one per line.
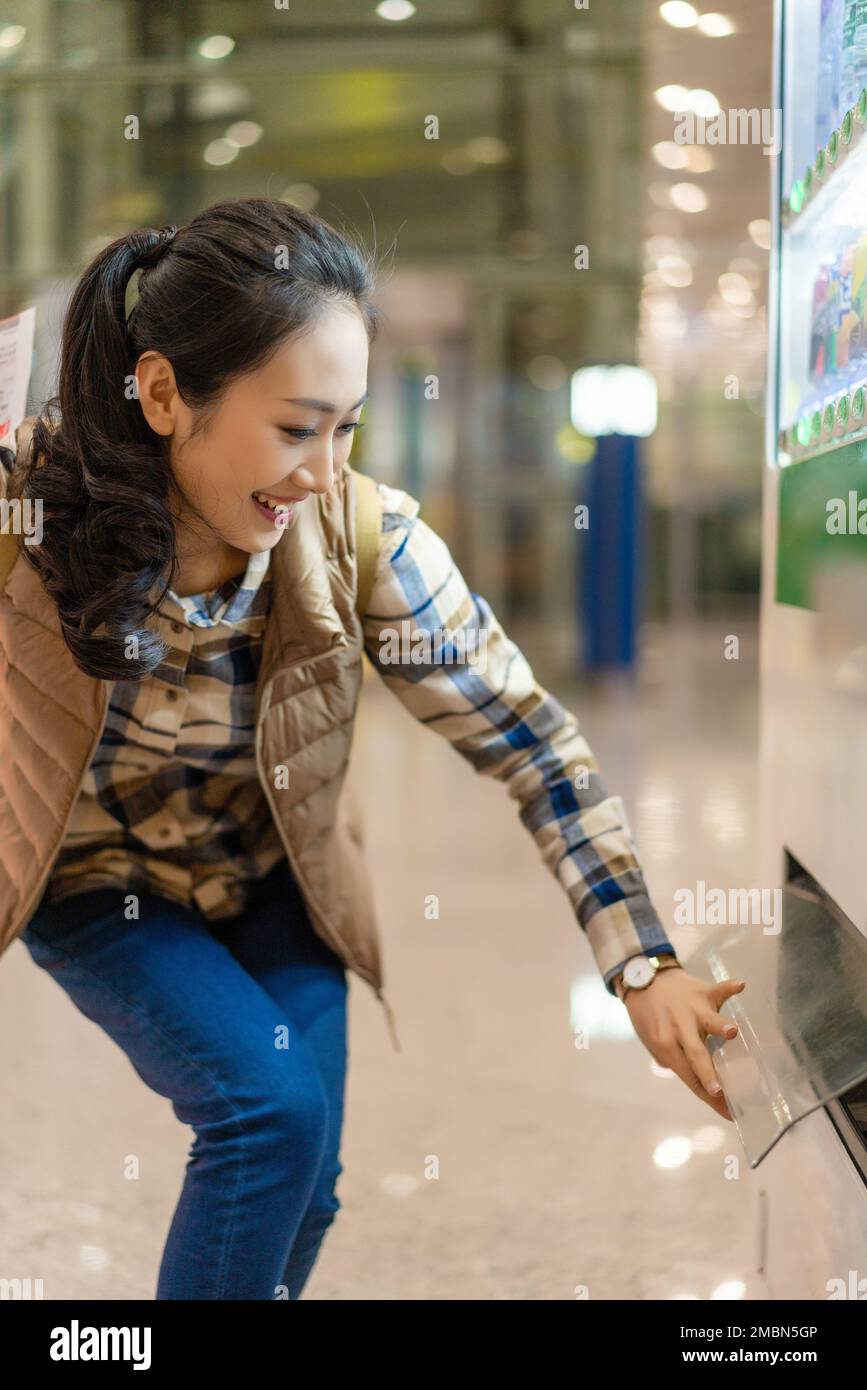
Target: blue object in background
<point x="611" y="552"/>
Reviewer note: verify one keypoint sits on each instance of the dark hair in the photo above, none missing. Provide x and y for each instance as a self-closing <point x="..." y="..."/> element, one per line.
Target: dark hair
<point x="214" y="302"/>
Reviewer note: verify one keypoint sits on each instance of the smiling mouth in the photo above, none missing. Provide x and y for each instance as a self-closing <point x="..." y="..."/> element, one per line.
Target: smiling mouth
<point x="272" y="503"/>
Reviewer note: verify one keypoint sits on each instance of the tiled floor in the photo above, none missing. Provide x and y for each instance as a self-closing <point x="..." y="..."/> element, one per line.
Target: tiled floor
<point x="552" y="1176"/>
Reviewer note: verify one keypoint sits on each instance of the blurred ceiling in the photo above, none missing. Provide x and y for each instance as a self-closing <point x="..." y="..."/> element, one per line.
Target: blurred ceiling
<point x="546" y="119"/>
<point x="689" y="325"/>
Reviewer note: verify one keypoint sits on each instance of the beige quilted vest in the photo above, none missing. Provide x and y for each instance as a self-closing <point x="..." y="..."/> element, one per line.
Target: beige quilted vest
<point x="52" y="717"/>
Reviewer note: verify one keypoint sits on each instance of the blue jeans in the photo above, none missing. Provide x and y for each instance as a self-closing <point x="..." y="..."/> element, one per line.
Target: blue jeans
<point x="241" y="1023"/>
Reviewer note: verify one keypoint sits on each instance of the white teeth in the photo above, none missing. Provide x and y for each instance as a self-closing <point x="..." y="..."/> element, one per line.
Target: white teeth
<point x="272" y="506"/>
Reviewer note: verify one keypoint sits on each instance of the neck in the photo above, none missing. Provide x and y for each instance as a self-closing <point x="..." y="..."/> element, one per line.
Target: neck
<point x="201" y="572"/>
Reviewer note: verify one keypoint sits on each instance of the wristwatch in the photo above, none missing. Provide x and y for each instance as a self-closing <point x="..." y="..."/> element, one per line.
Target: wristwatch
<point x="639" y="971"/>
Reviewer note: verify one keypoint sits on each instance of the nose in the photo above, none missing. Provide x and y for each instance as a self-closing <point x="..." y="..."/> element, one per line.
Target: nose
<point x="316" y="474"/>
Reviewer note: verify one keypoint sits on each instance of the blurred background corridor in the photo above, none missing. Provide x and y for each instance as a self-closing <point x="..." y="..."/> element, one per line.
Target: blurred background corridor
<point x="515" y="168"/>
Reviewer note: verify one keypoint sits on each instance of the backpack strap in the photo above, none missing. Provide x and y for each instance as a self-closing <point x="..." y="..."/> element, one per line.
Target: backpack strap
<point x="9" y="547"/>
<point x="368" y="525"/>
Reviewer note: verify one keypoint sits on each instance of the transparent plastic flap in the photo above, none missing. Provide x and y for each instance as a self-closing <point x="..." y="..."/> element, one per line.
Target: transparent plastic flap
<point x="802" y="1019"/>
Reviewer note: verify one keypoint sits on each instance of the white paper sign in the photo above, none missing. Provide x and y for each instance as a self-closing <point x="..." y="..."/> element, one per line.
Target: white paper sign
<point x="16" y="360"/>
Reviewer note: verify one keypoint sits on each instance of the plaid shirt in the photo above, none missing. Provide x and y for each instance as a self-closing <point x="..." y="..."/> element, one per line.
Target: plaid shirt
<point x="171" y="802"/>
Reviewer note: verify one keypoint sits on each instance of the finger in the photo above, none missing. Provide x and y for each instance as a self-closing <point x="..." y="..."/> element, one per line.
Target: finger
<point x="701" y="1062"/>
<point x="675" y="1060"/>
<point x="725" y="989"/>
<point x="721" y="1027"/>
<point x="720" y="1105"/>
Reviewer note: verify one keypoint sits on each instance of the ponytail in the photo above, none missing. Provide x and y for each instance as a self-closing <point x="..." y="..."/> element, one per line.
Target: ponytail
<point x="103" y="477"/>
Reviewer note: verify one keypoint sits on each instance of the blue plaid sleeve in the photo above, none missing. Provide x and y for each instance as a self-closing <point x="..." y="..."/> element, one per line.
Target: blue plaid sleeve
<point x="441" y="650"/>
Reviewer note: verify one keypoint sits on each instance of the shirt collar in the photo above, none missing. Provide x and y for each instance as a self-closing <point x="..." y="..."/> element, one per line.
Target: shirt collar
<point x="231" y="602"/>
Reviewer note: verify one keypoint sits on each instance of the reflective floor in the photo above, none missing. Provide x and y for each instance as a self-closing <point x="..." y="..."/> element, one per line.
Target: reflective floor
<point x="561" y="1172"/>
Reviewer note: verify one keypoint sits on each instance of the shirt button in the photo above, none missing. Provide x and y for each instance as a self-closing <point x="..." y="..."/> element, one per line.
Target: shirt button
<point x="171" y="695"/>
<point x="177" y="627"/>
<point x="165" y="830"/>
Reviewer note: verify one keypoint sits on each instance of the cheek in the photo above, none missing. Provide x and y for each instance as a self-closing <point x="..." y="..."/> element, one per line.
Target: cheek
<point x="212" y="483"/>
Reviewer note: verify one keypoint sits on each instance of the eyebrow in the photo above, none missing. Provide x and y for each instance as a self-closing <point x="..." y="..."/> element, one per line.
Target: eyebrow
<point x="325" y="406"/>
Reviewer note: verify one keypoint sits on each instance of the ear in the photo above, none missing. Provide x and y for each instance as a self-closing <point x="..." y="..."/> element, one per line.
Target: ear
<point x="157" y="391"/>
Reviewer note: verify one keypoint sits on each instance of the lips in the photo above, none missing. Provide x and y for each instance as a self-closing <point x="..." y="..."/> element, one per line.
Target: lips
<point x="278" y="517"/>
<point x="274" y="504"/>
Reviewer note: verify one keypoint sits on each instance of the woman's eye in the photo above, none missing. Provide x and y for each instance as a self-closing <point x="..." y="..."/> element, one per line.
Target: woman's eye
<point x="308" y="434"/>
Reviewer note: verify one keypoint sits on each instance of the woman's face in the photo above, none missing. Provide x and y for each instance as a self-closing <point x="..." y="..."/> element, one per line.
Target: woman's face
<point x="282" y="432"/>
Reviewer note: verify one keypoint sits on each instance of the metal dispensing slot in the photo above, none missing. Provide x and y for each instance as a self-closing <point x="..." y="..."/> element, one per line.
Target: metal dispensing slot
<point x="849" y="1115"/>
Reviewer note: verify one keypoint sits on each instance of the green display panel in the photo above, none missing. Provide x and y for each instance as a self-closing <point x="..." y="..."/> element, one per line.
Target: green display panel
<point x="812" y="533"/>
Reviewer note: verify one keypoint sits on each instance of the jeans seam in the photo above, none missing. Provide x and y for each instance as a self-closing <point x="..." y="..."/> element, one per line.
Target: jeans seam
<point x="181" y="1051"/>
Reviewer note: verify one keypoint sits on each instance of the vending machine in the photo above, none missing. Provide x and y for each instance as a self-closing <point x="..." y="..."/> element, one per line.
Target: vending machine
<point x="802" y="1073"/>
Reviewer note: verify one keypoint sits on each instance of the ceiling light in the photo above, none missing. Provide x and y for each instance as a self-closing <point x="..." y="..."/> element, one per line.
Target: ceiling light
<point x="734" y="288"/>
<point x="395" y="9"/>
<point x="613" y="400"/>
<point x="215" y="98"/>
<point x="11" y="35"/>
<point x="716" y="26"/>
<point x="678" y="14"/>
<point x="663" y="308"/>
<point x="487" y="149"/>
<point x="670" y="155"/>
<point x="760" y="232"/>
<point x="244" y="133"/>
<point x="216" y="46"/>
<point x="688" y="197"/>
<point x="727" y="316"/>
<point x="673" y="97"/>
<point x="220" y="152"/>
<point x="702" y="102"/>
<point x="675" y="271"/>
<point x="302" y="195"/>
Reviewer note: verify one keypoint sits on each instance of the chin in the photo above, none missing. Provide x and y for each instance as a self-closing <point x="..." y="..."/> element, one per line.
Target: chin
<point x="264" y="538"/>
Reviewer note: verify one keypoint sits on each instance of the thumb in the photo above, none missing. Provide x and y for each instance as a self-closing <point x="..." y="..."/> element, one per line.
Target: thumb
<point x="726" y="989"/>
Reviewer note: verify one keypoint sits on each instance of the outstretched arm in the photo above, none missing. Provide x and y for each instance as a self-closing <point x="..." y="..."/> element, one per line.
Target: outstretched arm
<point x="487" y="702"/>
<point x="441" y="650"/>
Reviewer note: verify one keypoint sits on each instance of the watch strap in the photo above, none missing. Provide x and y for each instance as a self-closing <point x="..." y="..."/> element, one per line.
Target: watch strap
<point x="665" y="961"/>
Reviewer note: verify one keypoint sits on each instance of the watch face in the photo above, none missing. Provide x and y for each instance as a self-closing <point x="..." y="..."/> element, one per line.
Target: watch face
<point x="638" y="972"/>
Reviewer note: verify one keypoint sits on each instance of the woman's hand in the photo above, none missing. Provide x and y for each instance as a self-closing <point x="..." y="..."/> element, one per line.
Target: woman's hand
<point x="673" y="1016"/>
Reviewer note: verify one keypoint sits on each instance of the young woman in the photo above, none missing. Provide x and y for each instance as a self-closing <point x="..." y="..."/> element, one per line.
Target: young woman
<point x="181" y="660"/>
